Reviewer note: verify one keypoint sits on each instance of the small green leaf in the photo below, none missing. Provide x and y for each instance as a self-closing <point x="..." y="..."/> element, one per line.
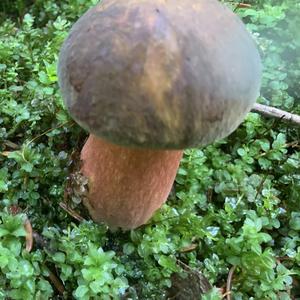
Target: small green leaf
<point x="19" y="232"/>
<point x="168" y="262"/>
<point x="241" y="152"/>
<point x="81" y="291"/>
<point x="59" y="257"/>
<point x="128" y="248"/>
<point x="15" y="88"/>
<point x="27" y="167"/>
<point x="295" y="221"/>
<point x="3" y="180"/>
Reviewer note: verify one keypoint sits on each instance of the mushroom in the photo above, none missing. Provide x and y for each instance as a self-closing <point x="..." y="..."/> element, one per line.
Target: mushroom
<point x="148" y="79"/>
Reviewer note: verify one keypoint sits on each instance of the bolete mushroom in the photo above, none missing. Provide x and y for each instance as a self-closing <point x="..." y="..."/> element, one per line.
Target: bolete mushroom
<point x="148" y="79"/>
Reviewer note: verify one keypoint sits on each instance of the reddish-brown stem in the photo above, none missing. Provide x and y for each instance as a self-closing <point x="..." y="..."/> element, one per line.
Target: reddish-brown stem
<point x="126" y="186"/>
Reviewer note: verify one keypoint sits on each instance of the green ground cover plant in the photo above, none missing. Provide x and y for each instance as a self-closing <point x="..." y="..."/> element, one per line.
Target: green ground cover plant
<point x="233" y="215"/>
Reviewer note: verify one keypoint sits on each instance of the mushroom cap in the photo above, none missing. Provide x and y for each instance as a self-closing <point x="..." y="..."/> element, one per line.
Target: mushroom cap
<point x="167" y="74"/>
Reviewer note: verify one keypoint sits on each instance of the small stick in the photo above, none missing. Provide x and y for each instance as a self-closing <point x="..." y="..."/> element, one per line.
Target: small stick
<point x="49" y="130"/>
<point x="189" y="248"/>
<point x="225" y="295"/>
<point x="261" y="185"/>
<point x="273" y="112"/>
<point x="229" y="283"/>
<point x="11" y="145"/>
<point x="71" y="212"/>
<point x="29" y="236"/>
<point x="241" y="5"/>
<point x="14" y="210"/>
<point x="244" y="5"/>
<point x="56" y="282"/>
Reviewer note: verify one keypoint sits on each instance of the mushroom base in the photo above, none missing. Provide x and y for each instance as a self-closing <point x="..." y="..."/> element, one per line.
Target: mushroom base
<point x="126" y="186"/>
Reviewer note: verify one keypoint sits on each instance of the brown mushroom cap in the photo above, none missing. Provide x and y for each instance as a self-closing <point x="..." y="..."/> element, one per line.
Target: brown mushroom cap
<point x="167" y="74"/>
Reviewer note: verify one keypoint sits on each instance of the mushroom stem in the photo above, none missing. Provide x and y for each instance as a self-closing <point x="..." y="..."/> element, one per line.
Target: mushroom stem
<point x="126" y="185"/>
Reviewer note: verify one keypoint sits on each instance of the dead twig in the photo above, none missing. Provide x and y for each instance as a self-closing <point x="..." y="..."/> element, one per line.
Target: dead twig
<point x="56" y="282"/>
<point x="11" y="145"/>
<point x="14" y="210"/>
<point x="269" y="111"/>
<point x="189" y="248"/>
<point x="71" y="212"/>
<point x="261" y="185"/>
<point x="229" y="283"/>
<point x="280" y="259"/>
<point x="294" y="144"/>
<point x="51" y="129"/>
<point x="5" y="153"/>
<point x="40" y="242"/>
<point x="15" y="146"/>
<point x="190" y="286"/>
<point x="29" y="236"/>
<point x="242" y="5"/>
<point x="226" y="294"/>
